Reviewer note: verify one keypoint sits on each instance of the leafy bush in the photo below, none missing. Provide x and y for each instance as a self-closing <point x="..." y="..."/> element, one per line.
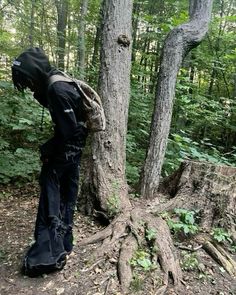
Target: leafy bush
<point x="181" y="147"/>
<point x="20" y="119"/>
<point x="21" y="165"/>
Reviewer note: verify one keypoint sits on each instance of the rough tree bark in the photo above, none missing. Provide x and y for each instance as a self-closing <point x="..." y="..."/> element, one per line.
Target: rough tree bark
<point x="106" y="187"/>
<point x="177" y="44"/>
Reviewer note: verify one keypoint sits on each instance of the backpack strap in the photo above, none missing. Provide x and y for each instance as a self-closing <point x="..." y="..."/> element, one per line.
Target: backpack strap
<point x="56" y="78"/>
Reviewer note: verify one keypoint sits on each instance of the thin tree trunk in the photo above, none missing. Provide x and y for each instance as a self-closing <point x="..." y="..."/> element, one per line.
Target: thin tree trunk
<point x="135" y="23"/>
<point x="177" y="44"/>
<point x="62" y="11"/>
<point x="191" y="72"/>
<point x="31" y="29"/>
<point x="95" y="56"/>
<point x="106" y="184"/>
<point x="69" y="43"/>
<point x="81" y="38"/>
<point x="96" y="50"/>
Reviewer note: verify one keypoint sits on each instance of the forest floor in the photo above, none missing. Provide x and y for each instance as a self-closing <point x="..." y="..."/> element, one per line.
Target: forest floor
<point x="83" y="274"/>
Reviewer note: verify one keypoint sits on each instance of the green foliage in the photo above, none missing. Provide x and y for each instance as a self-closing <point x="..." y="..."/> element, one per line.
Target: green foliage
<point x="150" y="234"/>
<point x="189" y="261"/>
<point x="185" y="222"/>
<point x="20" y="118"/>
<point x="21" y="165"/>
<point x="181" y="147"/>
<point x="142" y="260"/>
<point x="221" y="235"/>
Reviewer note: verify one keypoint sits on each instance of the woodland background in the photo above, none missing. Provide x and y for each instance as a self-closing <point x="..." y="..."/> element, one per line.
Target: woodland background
<point x="197" y="203"/>
<point x="204" y="117"/>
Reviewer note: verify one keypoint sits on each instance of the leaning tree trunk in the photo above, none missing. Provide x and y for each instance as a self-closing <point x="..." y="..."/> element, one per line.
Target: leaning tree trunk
<point x="105" y="186"/>
<point x="177" y="44"/>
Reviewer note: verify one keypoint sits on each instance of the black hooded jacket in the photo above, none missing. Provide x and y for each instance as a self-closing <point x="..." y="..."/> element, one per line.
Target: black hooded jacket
<point x="32" y="69"/>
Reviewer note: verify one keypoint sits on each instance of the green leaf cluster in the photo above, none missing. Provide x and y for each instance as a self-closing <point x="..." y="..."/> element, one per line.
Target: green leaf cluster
<point x="221" y="235"/>
<point x="142" y="260"/>
<point x="20" y="118"/>
<point x="184" y="222"/>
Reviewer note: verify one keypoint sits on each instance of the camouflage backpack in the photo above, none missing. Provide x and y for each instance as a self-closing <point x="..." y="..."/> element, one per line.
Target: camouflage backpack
<point x="96" y="120"/>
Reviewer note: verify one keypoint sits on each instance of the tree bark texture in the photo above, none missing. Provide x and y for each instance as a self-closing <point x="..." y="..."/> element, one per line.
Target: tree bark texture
<point x="31" y="28"/>
<point x="106" y="182"/>
<point x="62" y="11"/>
<point x="205" y="187"/>
<point x="177" y="44"/>
<point x="81" y="38"/>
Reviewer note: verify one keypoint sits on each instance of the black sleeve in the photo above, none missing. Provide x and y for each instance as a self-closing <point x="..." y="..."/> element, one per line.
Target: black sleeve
<point x="62" y="111"/>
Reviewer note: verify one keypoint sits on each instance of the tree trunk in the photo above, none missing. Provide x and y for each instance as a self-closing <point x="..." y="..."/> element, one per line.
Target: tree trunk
<point x="81" y="38"/>
<point x="62" y="11"/>
<point x="31" y="31"/>
<point x="177" y="44"/>
<point x="96" y="46"/>
<point x="69" y="32"/>
<point x="105" y="187"/>
<point x="135" y="23"/>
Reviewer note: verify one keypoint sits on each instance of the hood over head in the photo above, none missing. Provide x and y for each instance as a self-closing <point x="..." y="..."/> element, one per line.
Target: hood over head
<point x="31" y="69"/>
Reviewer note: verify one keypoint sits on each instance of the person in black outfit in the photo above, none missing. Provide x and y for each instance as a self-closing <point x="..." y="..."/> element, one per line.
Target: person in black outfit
<point x="61" y="159"/>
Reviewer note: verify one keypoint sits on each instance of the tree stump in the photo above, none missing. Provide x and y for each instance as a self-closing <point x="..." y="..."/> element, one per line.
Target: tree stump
<point x="206" y="187"/>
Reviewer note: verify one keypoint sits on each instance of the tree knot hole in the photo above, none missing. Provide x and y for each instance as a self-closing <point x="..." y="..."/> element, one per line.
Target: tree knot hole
<point x="107" y="144"/>
<point x="123" y="40"/>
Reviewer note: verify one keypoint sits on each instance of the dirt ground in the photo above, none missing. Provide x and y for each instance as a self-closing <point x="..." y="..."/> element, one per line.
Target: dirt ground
<point x="83" y="274"/>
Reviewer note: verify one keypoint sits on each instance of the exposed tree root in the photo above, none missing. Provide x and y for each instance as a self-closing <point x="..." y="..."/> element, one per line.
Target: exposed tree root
<point x="207" y="188"/>
<point x="127" y="232"/>
<point x="129" y="246"/>
<point x="98" y="237"/>
<point x="218" y="254"/>
<point x="166" y="252"/>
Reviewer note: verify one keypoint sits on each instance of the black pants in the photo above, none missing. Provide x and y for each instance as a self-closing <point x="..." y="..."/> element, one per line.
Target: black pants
<point x="59" y="189"/>
<point x="53" y="229"/>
